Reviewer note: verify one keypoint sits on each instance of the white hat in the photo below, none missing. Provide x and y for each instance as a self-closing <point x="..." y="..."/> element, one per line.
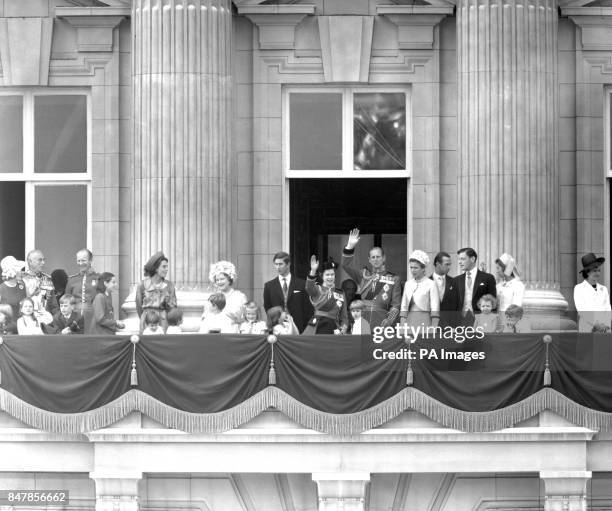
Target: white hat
<point x="509" y="264"/>
<point x="11" y="266"/>
<point x="420" y="256"/>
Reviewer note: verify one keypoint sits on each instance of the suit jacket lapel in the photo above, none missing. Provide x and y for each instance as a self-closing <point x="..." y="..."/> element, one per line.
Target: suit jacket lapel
<point x="448" y="284"/>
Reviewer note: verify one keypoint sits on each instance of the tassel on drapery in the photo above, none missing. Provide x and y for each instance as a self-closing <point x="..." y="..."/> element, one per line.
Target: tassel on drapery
<point x="134" y="375"/>
<point x="547" y="377"/>
<point x="272" y="373"/>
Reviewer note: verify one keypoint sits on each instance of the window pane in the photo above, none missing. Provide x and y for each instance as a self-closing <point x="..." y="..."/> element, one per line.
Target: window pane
<point x="11" y="134"/>
<point x="12" y="219"/>
<point x="60" y="124"/>
<point x="315" y="131"/>
<point x="379" y="130"/>
<point x="61" y="223"/>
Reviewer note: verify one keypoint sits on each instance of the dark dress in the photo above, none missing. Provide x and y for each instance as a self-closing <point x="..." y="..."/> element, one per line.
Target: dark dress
<point x="12" y="296"/>
<point x="103" y="319"/>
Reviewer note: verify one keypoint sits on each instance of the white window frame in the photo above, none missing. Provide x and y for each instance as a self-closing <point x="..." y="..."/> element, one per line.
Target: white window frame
<point x="347" y="170"/>
<point x="608" y="181"/>
<point x="32" y="179"/>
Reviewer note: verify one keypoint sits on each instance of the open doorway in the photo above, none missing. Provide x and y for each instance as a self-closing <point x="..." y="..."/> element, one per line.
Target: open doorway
<point x="322" y="211"/>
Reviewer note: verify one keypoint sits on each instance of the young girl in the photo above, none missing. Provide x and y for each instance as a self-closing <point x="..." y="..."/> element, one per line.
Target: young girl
<point x="252" y="325"/>
<point x="281" y="323"/>
<point x="103" y="322"/>
<point x="28" y="324"/>
<point x="487" y="320"/>
<point x="152" y="323"/>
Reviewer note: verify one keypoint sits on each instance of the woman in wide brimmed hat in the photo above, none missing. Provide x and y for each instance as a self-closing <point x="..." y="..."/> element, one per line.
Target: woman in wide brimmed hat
<point x="421" y="300"/>
<point x="155" y="292"/>
<point x="592" y="299"/>
<point x="329" y="303"/>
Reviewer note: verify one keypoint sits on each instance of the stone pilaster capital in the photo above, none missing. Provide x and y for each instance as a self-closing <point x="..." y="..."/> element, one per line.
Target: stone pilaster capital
<point x="565" y="490"/>
<point x="341" y="490"/>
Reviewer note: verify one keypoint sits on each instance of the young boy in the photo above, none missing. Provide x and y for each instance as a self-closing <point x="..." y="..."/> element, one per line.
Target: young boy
<point x="360" y="325"/>
<point x="514" y="321"/>
<point x="174" y="317"/>
<point x="152" y="323"/>
<point x="67" y="320"/>
<point x="215" y="321"/>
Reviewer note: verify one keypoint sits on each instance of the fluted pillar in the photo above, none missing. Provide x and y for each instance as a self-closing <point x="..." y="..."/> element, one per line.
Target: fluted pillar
<point x="181" y="138"/>
<point x="508" y="179"/>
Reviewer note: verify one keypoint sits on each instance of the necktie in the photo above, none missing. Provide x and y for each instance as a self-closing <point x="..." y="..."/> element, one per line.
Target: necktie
<point x="467" y="304"/>
<point x="285" y="290"/>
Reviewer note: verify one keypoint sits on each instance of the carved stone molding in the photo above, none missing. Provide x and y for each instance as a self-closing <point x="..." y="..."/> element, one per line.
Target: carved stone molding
<point x="346" y="47"/>
<point x="415" y="24"/>
<point x="276" y="23"/>
<point x="94" y="33"/>
<point x="25" y="50"/>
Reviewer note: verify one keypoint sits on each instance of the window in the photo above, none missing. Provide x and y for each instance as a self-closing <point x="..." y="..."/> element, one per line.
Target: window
<point x="346" y="132"/>
<point x="45" y="176"/>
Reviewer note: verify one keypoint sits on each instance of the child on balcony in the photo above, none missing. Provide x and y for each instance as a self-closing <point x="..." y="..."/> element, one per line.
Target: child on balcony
<point x="486" y="319"/>
<point x="174" y="317"/>
<point x="252" y="324"/>
<point x="7" y="327"/>
<point x="215" y="321"/>
<point x="28" y="323"/>
<point x="67" y="321"/>
<point x="514" y="321"/>
<point x="280" y="322"/>
<point x="104" y="322"/>
<point x="359" y="325"/>
<point x="152" y="325"/>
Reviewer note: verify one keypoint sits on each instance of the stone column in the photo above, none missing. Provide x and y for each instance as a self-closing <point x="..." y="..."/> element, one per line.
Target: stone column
<point x="342" y="491"/>
<point x="116" y="493"/>
<point x="181" y="139"/>
<point x="508" y="179"/>
<point x="565" y="491"/>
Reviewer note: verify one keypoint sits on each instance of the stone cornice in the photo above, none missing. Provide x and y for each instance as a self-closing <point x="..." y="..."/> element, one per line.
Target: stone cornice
<point x="415" y="23"/>
<point x="595" y="24"/>
<point x="276" y="23"/>
<point x="94" y="26"/>
<point x="65" y="12"/>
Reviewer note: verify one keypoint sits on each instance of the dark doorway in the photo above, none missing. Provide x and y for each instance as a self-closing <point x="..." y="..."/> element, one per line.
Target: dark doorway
<point x="323" y="211"/>
<point x="12" y="219"/>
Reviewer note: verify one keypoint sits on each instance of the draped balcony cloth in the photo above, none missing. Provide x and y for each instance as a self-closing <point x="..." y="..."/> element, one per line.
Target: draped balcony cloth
<point x="214" y="383"/>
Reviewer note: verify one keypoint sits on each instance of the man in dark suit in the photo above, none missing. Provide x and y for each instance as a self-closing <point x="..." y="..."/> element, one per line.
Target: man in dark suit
<point x="471" y="285"/>
<point x="288" y="292"/>
<point x="447" y="290"/>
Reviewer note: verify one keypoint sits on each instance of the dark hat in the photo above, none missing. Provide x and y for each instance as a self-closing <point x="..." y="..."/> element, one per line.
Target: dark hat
<point x="153" y="263"/>
<point x="590" y="261"/>
<point x="330" y="264"/>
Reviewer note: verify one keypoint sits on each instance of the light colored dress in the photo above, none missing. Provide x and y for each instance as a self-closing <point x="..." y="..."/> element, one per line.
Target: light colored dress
<point x="234" y="307"/>
<point x="420" y="302"/>
<point x="217" y="323"/>
<point x="509" y="292"/>
<point x="593" y="306"/>
<point x="28" y="327"/>
<point x="254" y="327"/>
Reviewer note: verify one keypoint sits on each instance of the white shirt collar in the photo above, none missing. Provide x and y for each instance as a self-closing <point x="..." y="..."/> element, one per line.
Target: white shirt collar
<point x="286" y="277"/>
<point x="472" y="272"/>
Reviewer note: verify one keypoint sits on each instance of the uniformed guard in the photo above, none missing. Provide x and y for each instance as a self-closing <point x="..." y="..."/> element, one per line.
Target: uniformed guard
<point x="378" y="287"/>
<point x="38" y="285"/>
<point x="82" y="285"/>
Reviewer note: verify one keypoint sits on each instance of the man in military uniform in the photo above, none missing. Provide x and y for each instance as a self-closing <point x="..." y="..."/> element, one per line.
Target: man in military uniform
<point x="378" y="287"/>
<point x="38" y="285"/>
<point x="82" y="285"/>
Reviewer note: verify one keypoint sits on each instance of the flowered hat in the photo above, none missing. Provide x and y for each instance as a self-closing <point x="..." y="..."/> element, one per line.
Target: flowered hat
<point x="420" y="256"/>
<point x="222" y="267"/>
